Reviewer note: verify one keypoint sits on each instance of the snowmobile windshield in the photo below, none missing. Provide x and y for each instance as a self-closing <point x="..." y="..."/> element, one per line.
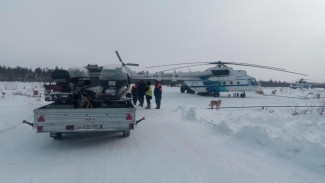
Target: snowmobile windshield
<point x="113" y="73"/>
<point x="113" y="76"/>
<point x="77" y="72"/>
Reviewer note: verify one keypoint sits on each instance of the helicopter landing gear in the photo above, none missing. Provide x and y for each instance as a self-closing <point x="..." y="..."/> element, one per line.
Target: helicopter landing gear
<point x="184" y="88"/>
<point x="243" y="95"/>
<point x="216" y="94"/>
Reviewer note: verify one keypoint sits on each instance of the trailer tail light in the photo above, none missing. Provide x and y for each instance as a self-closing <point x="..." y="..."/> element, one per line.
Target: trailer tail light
<point x="69" y="127"/>
<point x="39" y="128"/>
<point x="41" y="119"/>
<point x="131" y="125"/>
<point x="128" y="117"/>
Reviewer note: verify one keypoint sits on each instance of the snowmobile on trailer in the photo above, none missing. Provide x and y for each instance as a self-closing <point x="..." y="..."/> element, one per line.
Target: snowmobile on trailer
<point x="93" y="99"/>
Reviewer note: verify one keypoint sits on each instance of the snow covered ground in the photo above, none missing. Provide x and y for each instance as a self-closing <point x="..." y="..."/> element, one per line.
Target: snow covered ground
<point x="182" y="142"/>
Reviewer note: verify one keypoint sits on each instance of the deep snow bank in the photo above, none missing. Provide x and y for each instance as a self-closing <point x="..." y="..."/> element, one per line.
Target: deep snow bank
<point x="299" y="139"/>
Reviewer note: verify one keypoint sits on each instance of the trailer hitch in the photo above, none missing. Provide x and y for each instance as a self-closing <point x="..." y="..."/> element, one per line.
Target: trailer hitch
<point x="26" y="122"/>
<point x="138" y="121"/>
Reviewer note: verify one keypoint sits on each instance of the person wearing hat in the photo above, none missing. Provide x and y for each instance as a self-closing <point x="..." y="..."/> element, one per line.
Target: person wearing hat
<point x="158" y="92"/>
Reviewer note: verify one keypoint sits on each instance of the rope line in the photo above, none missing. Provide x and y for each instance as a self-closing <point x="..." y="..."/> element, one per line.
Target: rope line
<point x="265" y="106"/>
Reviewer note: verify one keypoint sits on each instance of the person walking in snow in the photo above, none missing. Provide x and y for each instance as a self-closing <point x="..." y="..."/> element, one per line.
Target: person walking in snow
<point x="141" y="89"/>
<point x="157" y="92"/>
<point x="148" y="94"/>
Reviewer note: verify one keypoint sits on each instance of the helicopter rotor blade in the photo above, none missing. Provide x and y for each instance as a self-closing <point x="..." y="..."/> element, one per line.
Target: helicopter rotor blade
<point x="131" y="64"/>
<point x="252" y="65"/>
<point x="224" y="64"/>
<point x="263" y="67"/>
<point x="183" y="67"/>
<point x="124" y="64"/>
<point x="178" y="64"/>
<point x="119" y="58"/>
<point x="291" y="72"/>
<point x="219" y="63"/>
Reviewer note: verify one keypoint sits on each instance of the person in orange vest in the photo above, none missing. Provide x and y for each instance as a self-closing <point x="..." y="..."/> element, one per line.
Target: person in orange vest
<point x="158" y="92"/>
<point x="134" y="94"/>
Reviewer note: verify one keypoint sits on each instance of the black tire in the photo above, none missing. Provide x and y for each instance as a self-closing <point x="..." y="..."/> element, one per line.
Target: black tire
<point x="243" y="95"/>
<point x="126" y="133"/>
<point x="182" y="89"/>
<point x="189" y="90"/>
<point x="203" y="93"/>
<point x="57" y="136"/>
<point x="216" y="94"/>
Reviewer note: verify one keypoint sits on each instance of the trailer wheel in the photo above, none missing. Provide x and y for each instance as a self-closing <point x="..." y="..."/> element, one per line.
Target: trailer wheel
<point x="56" y="136"/>
<point x="126" y="133"/>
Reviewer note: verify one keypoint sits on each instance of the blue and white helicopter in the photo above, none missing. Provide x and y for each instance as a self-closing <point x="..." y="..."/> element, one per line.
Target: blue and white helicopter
<point x="300" y="84"/>
<point x="219" y="78"/>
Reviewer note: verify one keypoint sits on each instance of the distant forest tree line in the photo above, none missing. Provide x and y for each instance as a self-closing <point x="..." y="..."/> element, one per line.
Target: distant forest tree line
<point x="272" y="83"/>
<point x="25" y="74"/>
<point x="44" y="75"/>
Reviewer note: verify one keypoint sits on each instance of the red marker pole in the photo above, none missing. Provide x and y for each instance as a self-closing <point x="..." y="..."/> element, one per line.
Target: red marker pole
<point x="3" y="94"/>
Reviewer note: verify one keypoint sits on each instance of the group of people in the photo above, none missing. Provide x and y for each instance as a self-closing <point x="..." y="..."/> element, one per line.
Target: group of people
<point x="141" y="90"/>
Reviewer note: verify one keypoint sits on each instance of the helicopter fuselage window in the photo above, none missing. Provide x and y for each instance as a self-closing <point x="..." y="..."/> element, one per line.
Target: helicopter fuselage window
<point x="238" y="82"/>
<point x="253" y="82"/>
<point x="225" y="72"/>
<point x="224" y="83"/>
<point x="231" y="82"/>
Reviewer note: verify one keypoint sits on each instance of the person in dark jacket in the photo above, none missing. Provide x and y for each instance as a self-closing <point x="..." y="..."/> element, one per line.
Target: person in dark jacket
<point x="141" y="89"/>
<point x="148" y="94"/>
<point x="158" y="92"/>
<point x="134" y="94"/>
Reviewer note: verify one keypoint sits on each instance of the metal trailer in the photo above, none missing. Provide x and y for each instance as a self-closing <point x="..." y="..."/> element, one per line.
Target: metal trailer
<point x="57" y="119"/>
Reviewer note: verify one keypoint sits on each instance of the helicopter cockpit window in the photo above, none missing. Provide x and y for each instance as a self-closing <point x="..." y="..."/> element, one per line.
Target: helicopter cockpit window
<point x="225" y="72"/>
<point x="253" y="82"/>
<point x="224" y="83"/>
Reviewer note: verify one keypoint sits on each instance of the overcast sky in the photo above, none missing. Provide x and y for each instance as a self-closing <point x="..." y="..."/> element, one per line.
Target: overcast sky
<point x="288" y="34"/>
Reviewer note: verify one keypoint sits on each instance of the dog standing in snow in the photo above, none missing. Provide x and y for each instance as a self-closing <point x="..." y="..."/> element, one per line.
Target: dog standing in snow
<point x="216" y="103"/>
<point x="273" y="92"/>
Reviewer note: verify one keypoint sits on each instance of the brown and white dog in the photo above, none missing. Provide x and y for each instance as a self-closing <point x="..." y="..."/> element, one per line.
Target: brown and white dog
<point x="216" y="103"/>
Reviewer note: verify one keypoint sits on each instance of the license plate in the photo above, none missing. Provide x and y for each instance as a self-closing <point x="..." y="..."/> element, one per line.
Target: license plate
<point x="92" y="126"/>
